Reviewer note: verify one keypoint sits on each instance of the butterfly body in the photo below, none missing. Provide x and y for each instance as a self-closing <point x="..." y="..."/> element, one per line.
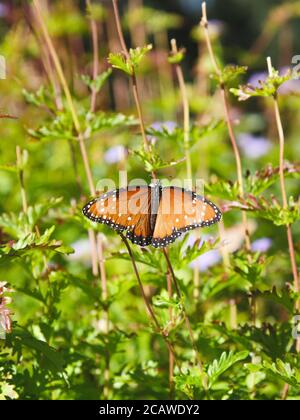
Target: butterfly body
<point x="152" y="215"/>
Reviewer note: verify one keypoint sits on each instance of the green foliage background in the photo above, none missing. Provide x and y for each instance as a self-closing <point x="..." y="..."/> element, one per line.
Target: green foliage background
<point x="59" y="347"/>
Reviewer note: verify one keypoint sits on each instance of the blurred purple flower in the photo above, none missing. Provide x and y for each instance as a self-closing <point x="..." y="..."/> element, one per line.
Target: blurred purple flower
<point x="216" y="27"/>
<point x="159" y="126"/>
<point x="255" y="78"/>
<point x="168" y="125"/>
<point x="115" y="154"/>
<point x="291" y="86"/>
<point x="82" y="251"/>
<point x="262" y="245"/>
<point x="206" y="260"/>
<point x="3" y="10"/>
<point x="254" y="146"/>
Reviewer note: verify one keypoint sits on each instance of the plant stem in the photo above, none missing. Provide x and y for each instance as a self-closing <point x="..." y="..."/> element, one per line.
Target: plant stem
<point x="104" y="296"/>
<point x="81" y="139"/>
<point x="93" y="244"/>
<point x="186" y="114"/>
<point x="233" y="314"/>
<point x="186" y="130"/>
<point x="119" y="29"/>
<point x="98" y="243"/>
<point x="283" y="190"/>
<point x="133" y="78"/>
<point x="285" y="392"/>
<point x="204" y="24"/>
<point x="148" y="306"/>
<point x="21" y="178"/>
<point x="46" y="60"/>
<point x="94" y="31"/>
<point x="285" y="206"/>
<point x="171" y="357"/>
<point x="68" y="95"/>
<point x="282" y="182"/>
<point x="186" y="318"/>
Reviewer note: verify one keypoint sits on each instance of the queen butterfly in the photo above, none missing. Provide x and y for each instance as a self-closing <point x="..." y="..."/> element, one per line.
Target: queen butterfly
<point x="152" y="215"/>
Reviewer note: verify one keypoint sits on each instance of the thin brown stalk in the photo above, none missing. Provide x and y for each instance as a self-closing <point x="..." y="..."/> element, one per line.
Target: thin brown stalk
<point x="12" y="117"/>
<point x="80" y="135"/>
<point x="282" y="182"/>
<point x="46" y="60"/>
<point x="104" y="296"/>
<point x="98" y="243"/>
<point x="186" y="114"/>
<point x="150" y="311"/>
<point x="68" y="95"/>
<point x="204" y="24"/>
<point x="171" y="357"/>
<point x="133" y="77"/>
<point x="186" y="133"/>
<point x="103" y="277"/>
<point x="93" y="244"/>
<point x="94" y="31"/>
<point x="233" y="314"/>
<point x="283" y="190"/>
<point x="285" y="392"/>
<point x="186" y="318"/>
<point x="21" y="178"/>
<point x="285" y="205"/>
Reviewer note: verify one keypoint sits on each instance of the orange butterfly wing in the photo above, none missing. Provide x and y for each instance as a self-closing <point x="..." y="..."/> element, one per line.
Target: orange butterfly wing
<point x="124" y="209"/>
<point x="179" y="211"/>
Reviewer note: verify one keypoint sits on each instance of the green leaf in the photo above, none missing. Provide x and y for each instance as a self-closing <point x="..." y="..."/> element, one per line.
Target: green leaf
<point x="178" y="57"/>
<point x="131" y="64"/>
<point x="9" y="168"/>
<point x="285" y="297"/>
<point x="265" y="178"/>
<point x="182" y="255"/>
<point x="118" y="61"/>
<point x="197" y="133"/>
<point x="60" y="127"/>
<point x="153" y="161"/>
<point x="47" y="355"/>
<point x="41" y="98"/>
<point x="19" y="225"/>
<point x="99" y="82"/>
<point x="229" y="74"/>
<point x="164" y="301"/>
<point x="31" y="242"/>
<point x="103" y="120"/>
<point x="269" y="209"/>
<point x="284" y="372"/>
<point x="226" y="190"/>
<point x="226" y="361"/>
<point x="267" y="88"/>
